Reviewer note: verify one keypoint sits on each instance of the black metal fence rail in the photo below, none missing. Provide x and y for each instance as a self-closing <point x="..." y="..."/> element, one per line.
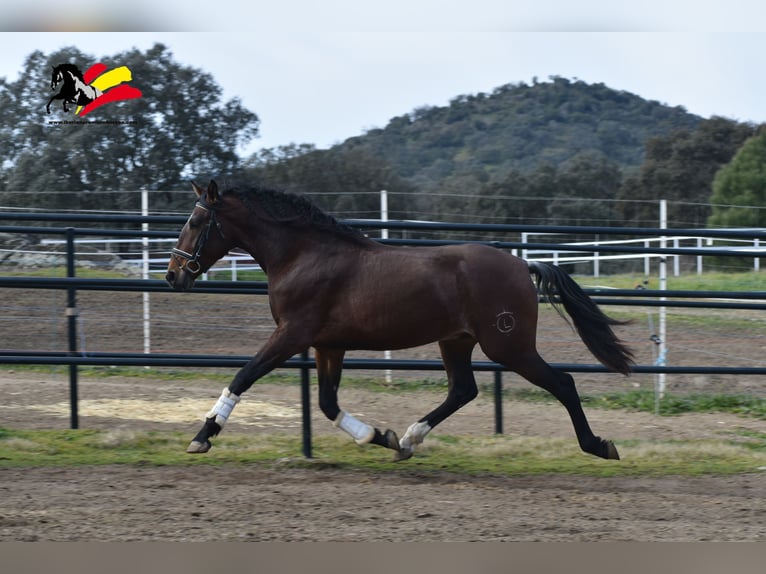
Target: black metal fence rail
<point x="236" y="361"/>
<point x="580" y="248"/>
<point x="754" y="233"/>
<point x="755" y="300"/>
<point x="623" y="297"/>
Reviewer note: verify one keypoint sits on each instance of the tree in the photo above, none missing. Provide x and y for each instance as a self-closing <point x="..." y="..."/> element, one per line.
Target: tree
<point x="583" y="187"/>
<point x="680" y="168"/>
<point x="178" y="129"/>
<point x="345" y="182"/>
<point x="739" y="187"/>
<point x="511" y="200"/>
<point x="573" y="194"/>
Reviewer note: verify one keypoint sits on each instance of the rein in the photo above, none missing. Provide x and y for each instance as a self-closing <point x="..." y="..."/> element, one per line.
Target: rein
<point x="193" y="259"/>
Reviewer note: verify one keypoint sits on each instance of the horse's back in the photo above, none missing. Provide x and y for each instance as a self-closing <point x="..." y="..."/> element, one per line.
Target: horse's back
<point x="397" y="297"/>
<point x="471" y="273"/>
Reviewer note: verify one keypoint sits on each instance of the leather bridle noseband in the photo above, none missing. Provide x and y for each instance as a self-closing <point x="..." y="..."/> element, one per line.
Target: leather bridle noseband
<point x="190" y="259"/>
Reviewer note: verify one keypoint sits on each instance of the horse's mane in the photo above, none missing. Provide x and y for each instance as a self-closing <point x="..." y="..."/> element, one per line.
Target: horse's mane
<point x="71" y="68"/>
<point x="291" y="209"/>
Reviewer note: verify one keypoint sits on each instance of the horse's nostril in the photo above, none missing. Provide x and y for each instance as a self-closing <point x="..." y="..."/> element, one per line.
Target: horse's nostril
<point x="170" y="277"/>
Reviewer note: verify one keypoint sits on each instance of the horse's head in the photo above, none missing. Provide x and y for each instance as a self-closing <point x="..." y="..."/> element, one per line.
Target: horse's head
<point x="56" y="77"/>
<point x="201" y="242"/>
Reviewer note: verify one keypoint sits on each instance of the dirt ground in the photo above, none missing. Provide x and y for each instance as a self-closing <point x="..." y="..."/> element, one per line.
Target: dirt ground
<point x="319" y="503"/>
<point x="239" y="504"/>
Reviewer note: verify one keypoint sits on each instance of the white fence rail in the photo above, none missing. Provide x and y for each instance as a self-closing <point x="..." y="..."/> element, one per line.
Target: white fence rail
<point x="234" y="262"/>
<point x="677" y="242"/>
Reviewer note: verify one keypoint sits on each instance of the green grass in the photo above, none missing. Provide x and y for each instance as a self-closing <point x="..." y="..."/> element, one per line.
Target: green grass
<point x="717" y="281"/>
<point x="471" y="456"/>
<point x="686" y="318"/>
<point x="221" y="275"/>
<point x="670" y="405"/>
<point x="754" y="322"/>
<point x="89" y="273"/>
<point x="81" y="272"/>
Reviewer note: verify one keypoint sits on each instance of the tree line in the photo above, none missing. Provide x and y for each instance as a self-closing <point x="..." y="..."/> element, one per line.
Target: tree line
<point x="180" y="128"/>
<point x="684" y="167"/>
<point x="556" y="152"/>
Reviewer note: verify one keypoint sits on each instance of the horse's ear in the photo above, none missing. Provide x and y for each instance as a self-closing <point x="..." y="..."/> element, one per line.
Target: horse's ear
<point x="212" y="192"/>
<point x="197" y="189"/>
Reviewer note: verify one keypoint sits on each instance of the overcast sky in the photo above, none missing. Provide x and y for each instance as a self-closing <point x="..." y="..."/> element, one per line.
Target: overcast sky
<point x="321" y="72"/>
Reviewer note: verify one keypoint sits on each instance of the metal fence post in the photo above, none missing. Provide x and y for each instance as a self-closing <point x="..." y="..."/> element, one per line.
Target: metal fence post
<point x="71" y="315"/>
<point x="306" y="405"/>
<point x="498" y="402"/>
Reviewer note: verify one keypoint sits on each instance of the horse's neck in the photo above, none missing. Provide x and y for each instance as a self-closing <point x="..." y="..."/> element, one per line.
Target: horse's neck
<point x="78" y="84"/>
<point x="278" y="247"/>
<point x="271" y="246"/>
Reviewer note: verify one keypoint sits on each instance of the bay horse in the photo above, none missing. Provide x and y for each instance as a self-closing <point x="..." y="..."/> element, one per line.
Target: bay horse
<point x="334" y="289"/>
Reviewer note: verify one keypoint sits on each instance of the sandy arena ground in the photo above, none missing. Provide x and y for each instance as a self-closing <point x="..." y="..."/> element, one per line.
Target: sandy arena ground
<point x="285" y="503"/>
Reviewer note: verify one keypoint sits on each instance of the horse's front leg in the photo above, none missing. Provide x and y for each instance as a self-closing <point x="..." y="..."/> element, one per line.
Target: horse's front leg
<point x="279" y="348"/>
<point x="48" y="107"/>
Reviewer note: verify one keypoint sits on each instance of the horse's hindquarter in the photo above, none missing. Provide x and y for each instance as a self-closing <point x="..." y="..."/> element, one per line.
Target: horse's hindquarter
<point x="504" y="299"/>
<point x="398" y="297"/>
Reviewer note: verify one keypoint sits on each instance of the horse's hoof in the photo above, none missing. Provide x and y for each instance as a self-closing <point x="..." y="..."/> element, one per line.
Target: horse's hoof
<point x="391" y="440"/>
<point x="611" y="451"/>
<point x="403" y="454"/>
<point x="197" y="447"/>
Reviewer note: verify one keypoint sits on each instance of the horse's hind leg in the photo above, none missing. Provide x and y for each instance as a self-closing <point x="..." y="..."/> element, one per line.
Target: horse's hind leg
<point x="329" y="366"/>
<point x="561" y="385"/>
<point x="456" y="354"/>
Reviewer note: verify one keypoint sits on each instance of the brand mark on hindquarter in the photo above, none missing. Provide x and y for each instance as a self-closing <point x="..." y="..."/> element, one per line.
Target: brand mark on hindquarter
<point x="505" y="322"/>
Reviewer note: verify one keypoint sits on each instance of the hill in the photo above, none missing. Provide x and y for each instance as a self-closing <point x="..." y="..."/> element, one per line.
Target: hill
<point x="520" y="127"/>
<point x="558" y="152"/>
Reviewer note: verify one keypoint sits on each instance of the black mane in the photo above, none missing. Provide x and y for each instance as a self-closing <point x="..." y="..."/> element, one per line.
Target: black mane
<point x="70" y="68"/>
<point x="291" y="209"/>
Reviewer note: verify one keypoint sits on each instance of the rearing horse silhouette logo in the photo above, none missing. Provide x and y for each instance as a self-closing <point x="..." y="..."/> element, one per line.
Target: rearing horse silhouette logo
<point x="92" y="89"/>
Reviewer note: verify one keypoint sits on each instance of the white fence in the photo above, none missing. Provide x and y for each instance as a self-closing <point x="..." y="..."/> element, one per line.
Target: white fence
<point x="155" y="258"/>
<point x="677" y="242"/>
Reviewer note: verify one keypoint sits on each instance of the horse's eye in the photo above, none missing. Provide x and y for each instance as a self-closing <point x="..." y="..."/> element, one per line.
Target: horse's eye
<point x="194" y="221"/>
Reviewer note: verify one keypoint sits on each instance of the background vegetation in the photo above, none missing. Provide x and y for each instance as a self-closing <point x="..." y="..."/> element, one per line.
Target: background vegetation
<point x="180" y="128"/>
<point x="555" y="151"/>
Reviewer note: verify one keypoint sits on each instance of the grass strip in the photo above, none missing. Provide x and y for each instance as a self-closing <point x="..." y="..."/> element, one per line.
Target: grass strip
<point x="496" y="455"/>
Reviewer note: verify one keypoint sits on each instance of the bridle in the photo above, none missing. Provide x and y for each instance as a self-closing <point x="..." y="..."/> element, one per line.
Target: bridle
<point x="190" y="259"/>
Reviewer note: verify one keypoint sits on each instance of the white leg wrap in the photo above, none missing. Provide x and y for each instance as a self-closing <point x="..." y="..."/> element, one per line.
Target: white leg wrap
<point x="362" y="432"/>
<point x="414" y="436"/>
<point x="222" y="409"/>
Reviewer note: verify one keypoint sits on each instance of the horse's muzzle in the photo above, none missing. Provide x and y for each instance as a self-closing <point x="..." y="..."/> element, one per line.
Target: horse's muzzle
<point x="180" y="281"/>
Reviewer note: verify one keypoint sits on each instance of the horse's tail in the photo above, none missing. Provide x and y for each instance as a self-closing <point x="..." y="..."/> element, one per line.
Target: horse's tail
<point x="593" y="326"/>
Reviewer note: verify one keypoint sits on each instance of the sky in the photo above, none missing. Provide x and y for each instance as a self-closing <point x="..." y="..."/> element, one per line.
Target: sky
<point x="321" y="72"/>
